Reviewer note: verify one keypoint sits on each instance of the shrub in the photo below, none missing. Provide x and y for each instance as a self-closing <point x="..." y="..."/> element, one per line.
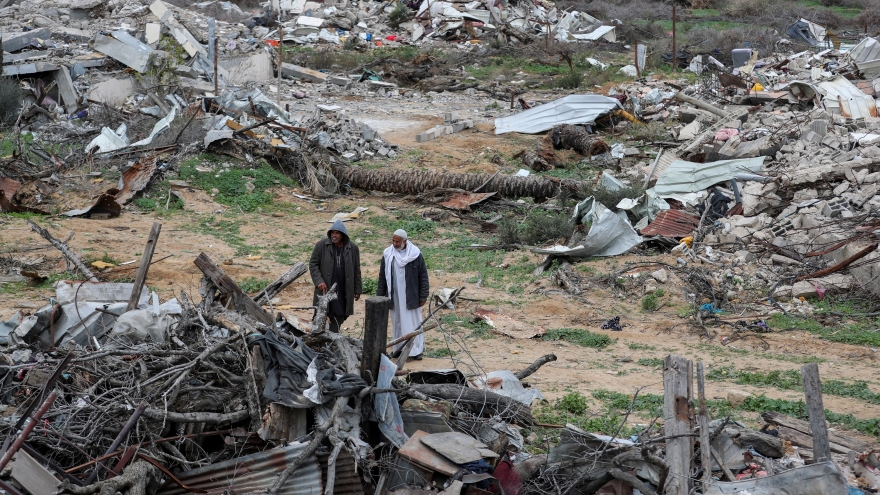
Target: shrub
<point x="508" y="232"/>
<point x="572" y="402"/>
<point x="572" y="80"/>
<point x="542" y="226"/>
<point x="400" y="13"/>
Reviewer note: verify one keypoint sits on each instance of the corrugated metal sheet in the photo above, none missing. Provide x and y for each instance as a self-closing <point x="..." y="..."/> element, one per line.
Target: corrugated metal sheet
<point x="673" y="224"/>
<point x="254" y="473"/>
<point x="870" y="69"/>
<point x="606" y="32"/>
<point x="573" y="109"/>
<point x="347" y="480"/>
<point x="843" y="98"/>
<point x="663" y="163"/>
<point x="867" y="49"/>
<point x="684" y="177"/>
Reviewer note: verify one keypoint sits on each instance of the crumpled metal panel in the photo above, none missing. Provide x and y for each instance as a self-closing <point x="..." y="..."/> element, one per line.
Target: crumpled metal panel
<point x="815" y="479"/>
<point x="672" y="224"/>
<point x="572" y="109"/>
<point x="868" y="49"/>
<point x="684" y="177"/>
<point x="253" y="473"/>
<point x="136" y="178"/>
<point x="846" y="100"/>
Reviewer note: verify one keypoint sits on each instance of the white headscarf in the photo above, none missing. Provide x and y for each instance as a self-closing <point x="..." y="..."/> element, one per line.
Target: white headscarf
<point x="400" y="257"/>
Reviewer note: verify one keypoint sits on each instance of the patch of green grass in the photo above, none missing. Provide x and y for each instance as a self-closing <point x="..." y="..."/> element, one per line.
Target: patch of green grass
<point x="13" y="287"/>
<point x="7" y="144"/>
<point x="440" y="353"/>
<point x="580" y="337"/>
<point x="250" y="285"/>
<point x="573" y="402"/>
<point x="605" y="422"/>
<point x="641" y="347"/>
<point x="479" y="329"/>
<point x="792" y="380"/>
<point x="370" y="285"/>
<point x="455" y="257"/>
<point x="415" y="226"/>
<point x="650" y="362"/>
<point x="232" y="183"/>
<point x="228" y="231"/>
<point x="26" y="215"/>
<point x="652" y="405"/>
<point x="861" y="332"/>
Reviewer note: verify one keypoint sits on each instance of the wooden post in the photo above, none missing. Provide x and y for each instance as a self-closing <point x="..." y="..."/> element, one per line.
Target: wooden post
<point x="677" y="420"/>
<point x="146" y="259"/>
<point x="375" y="337"/>
<point x="705" y="447"/>
<point x="376" y="310"/>
<point x="273" y="289"/>
<point x="638" y="69"/>
<point x="813" y="394"/>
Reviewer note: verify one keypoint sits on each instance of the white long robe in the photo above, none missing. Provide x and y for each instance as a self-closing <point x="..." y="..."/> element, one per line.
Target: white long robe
<point x="404" y="320"/>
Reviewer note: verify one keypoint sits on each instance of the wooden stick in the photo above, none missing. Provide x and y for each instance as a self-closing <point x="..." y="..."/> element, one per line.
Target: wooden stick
<point x="422" y="328"/>
<point x="224" y="283"/>
<point x="64" y="250"/>
<point x="141" y="276"/>
<point x="541" y="361"/>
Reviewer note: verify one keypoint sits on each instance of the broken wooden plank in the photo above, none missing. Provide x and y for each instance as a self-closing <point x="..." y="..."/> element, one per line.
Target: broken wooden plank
<point x="678" y="391"/>
<point x="32" y="476"/>
<point x="799" y="432"/>
<point x="240" y="301"/>
<point x="273" y="289"/>
<point x="146" y="258"/>
<point x="66" y="89"/>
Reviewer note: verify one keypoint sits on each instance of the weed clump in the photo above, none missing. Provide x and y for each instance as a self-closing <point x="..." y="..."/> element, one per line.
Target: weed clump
<point x="400" y="13"/>
<point x="572" y="80"/>
<point x="650" y="302"/>
<point x="572" y="402"/>
<point x="541" y="226"/>
<point x="611" y="197"/>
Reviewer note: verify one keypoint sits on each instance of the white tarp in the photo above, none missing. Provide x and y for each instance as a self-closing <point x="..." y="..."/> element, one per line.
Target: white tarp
<point x="573" y="109"/>
<point x="386" y="407"/>
<point x="510" y="386"/>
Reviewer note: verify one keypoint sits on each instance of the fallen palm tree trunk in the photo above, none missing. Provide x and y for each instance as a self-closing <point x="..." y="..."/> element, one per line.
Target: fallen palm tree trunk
<point x="416" y="182"/>
<point x="572" y="137"/>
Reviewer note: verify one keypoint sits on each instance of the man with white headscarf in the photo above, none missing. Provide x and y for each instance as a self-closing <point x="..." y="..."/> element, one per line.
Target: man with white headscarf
<point x="403" y="277"/>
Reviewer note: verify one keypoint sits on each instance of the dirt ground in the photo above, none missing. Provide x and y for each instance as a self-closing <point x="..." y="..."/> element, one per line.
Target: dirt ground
<point x="302" y="222"/>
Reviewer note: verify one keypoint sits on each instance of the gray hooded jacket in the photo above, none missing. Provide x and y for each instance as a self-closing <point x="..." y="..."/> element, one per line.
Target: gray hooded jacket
<point x="321" y="266"/>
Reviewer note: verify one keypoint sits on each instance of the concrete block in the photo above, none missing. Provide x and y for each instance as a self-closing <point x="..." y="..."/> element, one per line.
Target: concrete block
<point x="450" y="117"/>
<point x="295" y="71"/>
<point x="241" y="70"/>
<point x="113" y="92"/>
<point x="340" y="81"/>
<point x="71" y="34"/>
<point x="153" y="32"/>
<point x="368" y="134"/>
<point x="14" y="42"/>
<point x="458" y="126"/>
<point x="126" y="49"/>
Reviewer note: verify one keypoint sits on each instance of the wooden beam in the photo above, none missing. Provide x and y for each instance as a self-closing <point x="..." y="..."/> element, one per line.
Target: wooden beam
<point x="273" y="289"/>
<point x="813" y="394"/>
<point x="224" y="283"/>
<point x="376" y="310"/>
<point x="146" y="259"/>
<point x="677" y="420"/>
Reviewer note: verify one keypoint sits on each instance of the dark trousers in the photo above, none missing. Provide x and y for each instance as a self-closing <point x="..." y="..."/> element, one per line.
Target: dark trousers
<point x="335" y="322"/>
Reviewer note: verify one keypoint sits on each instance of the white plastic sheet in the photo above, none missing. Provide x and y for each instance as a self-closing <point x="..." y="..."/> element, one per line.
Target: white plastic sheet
<point x="610" y="233"/>
<point x="386" y="407"/>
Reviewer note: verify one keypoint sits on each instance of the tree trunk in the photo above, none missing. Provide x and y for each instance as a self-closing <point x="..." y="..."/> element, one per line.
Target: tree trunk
<point x="572" y="137"/>
<point x="416" y="182"/>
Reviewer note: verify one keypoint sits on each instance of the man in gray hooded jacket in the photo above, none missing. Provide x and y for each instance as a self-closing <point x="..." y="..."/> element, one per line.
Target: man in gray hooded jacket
<point x="337" y="260"/>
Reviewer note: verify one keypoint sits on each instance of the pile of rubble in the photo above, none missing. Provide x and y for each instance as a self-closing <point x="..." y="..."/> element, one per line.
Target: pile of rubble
<point x="225" y="395"/>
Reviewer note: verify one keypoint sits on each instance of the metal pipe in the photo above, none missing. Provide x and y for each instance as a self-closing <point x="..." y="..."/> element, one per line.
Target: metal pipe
<point x="122" y="434"/>
<point x="216" y="80"/>
<point x="28" y="428"/>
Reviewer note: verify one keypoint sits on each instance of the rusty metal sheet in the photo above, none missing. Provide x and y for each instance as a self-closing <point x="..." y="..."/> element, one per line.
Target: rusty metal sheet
<point x="347" y="480"/>
<point x="672" y="224"/>
<point x="9" y="186"/>
<point x="464" y="201"/>
<point x="136" y="178"/>
<point x="104" y="207"/>
<point x="417" y="452"/>
<point x="507" y="326"/>
<point x="254" y="473"/>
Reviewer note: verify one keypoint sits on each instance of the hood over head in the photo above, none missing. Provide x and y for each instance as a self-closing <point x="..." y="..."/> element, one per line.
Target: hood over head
<point x="339" y="226"/>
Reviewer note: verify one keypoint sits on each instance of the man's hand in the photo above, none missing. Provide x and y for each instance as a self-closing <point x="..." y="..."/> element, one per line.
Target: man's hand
<point x="422" y="303"/>
<point x="322" y="287"/>
<point x="357" y="297"/>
